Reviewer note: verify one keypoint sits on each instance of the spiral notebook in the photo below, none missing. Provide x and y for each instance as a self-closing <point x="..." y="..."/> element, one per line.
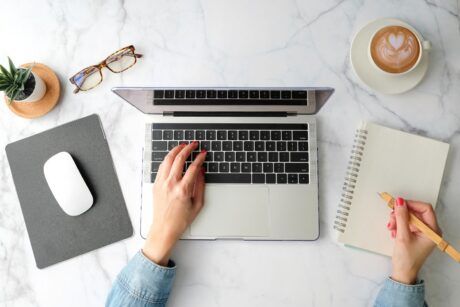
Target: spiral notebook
<point x="384" y="159"/>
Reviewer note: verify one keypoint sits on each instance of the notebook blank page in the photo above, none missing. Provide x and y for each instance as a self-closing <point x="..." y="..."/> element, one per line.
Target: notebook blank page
<point x="401" y="164"/>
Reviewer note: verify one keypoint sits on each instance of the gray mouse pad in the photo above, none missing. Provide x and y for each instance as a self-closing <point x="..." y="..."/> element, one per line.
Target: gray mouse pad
<point x="54" y="235"/>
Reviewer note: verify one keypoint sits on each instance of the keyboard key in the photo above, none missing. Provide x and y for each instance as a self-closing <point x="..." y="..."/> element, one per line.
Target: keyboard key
<point x="227" y="178"/>
<point x="296" y="167"/>
<point x="210" y="135"/>
<point x="200" y="135"/>
<point x="278" y="167"/>
<point x="218" y="156"/>
<point x="275" y="94"/>
<point x="183" y="142"/>
<point x="257" y="167"/>
<point x="303" y="178"/>
<point x="303" y="146"/>
<point x="213" y="167"/>
<point x="216" y="145"/>
<point x="157" y="135"/>
<point x="299" y="156"/>
<point x="251" y="157"/>
<point x="189" y="134"/>
<point x="224" y="167"/>
<point x="270" y="146"/>
<point x="179" y="94"/>
<point x="240" y="156"/>
<point x="281" y="146"/>
<point x="299" y="94"/>
<point x="237" y="145"/>
<point x="268" y="167"/>
<point x="286" y="94"/>
<point x="243" y="135"/>
<point x="169" y="94"/>
<point x="227" y="146"/>
<point x="262" y="157"/>
<point x="234" y="167"/>
<point x="276" y="135"/>
<point x="167" y="135"/>
<point x="243" y="94"/>
<point x="292" y="178"/>
<point x="300" y="135"/>
<point x="159" y="145"/>
<point x="158" y="94"/>
<point x="172" y="144"/>
<point x="253" y="135"/>
<point x="206" y="145"/>
<point x="155" y="166"/>
<point x="159" y="155"/>
<point x="200" y="94"/>
<point x="284" y="157"/>
<point x="152" y="177"/>
<point x="221" y="135"/>
<point x="264" y="135"/>
<point x="211" y="94"/>
<point x="264" y="94"/>
<point x="286" y="135"/>
<point x="229" y="156"/>
<point x="246" y="167"/>
<point x="273" y="157"/>
<point x="254" y="94"/>
<point x="178" y="134"/>
<point x="222" y="94"/>
<point x="259" y="146"/>
<point x="190" y="94"/>
<point x="233" y="94"/>
<point x="232" y="135"/>
<point x="209" y="156"/>
<point x="270" y="178"/>
<point x="258" y="178"/>
<point x="292" y="146"/>
<point x="281" y="178"/>
<point x="248" y="145"/>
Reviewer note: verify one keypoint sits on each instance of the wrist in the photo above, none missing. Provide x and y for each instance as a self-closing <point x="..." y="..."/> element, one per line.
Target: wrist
<point x="408" y="278"/>
<point x="158" y="248"/>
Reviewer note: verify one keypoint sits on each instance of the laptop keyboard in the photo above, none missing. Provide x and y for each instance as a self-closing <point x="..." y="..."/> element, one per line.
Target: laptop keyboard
<point x="237" y="153"/>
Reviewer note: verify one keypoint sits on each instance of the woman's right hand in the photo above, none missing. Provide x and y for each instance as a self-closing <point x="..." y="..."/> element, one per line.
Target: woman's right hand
<point x="411" y="247"/>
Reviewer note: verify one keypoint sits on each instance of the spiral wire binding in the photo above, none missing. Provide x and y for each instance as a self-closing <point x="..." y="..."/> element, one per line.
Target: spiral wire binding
<point x="349" y="184"/>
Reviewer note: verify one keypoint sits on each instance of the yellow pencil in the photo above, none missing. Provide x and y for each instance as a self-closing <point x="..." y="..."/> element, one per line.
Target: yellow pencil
<point x="443" y="245"/>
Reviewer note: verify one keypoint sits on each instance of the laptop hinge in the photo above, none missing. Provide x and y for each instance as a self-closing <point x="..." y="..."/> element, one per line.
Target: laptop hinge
<point x="230" y="114"/>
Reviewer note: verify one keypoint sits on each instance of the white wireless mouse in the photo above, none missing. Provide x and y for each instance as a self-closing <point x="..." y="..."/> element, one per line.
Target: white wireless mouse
<point x="67" y="184"/>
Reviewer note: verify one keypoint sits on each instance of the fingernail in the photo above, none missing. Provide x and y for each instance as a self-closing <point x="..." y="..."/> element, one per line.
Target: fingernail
<point x="195" y="142"/>
<point x="388" y="225"/>
<point x="204" y="151"/>
<point x="393" y="233"/>
<point x="400" y="201"/>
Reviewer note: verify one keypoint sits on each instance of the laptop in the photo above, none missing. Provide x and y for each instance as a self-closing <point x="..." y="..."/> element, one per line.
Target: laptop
<point x="261" y="167"/>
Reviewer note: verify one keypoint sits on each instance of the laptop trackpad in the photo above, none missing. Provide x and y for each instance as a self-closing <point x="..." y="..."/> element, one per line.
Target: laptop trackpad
<point x="233" y="211"/>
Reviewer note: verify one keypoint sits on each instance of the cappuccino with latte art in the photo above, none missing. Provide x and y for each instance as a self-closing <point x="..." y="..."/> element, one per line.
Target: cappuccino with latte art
<point x="395" y="49"/>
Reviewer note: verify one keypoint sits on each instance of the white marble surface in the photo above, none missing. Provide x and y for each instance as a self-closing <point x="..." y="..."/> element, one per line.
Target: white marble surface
<point x="264" y="43"/>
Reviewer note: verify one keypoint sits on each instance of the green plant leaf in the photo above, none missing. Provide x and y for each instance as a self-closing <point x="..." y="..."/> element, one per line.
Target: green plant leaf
<point x="6" y="73"/>
<point x="13" y="69"/>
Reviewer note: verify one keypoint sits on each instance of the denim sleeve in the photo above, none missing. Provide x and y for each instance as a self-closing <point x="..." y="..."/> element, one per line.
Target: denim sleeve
<point x="395" y="294"/>
<point x="142" y="283"/>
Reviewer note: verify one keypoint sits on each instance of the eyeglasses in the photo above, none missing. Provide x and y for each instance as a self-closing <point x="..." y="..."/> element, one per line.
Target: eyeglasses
<point x="91" y="76"/>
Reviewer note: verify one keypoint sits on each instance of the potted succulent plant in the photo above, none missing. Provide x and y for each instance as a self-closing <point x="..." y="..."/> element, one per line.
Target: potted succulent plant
<point x="21" y="84"/>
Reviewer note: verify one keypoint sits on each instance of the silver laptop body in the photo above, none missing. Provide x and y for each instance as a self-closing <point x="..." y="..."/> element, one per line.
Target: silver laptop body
<point x="249" y="211"/>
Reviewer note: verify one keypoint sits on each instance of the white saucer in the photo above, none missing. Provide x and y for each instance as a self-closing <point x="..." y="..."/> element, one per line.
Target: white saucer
<point x="370" y="75"/>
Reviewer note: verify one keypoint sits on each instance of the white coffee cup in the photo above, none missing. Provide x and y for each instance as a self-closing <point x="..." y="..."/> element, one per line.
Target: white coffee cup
<point x="424" y="47"/>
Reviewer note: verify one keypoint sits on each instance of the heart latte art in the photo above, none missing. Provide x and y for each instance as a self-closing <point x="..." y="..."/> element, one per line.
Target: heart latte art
<point x="395" y="49"/>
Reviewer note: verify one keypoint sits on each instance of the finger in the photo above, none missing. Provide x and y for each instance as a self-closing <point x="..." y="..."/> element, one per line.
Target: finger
<point x="194" y="170"/>
<point x="179" y="162"/>
<point x="165" y="166"/>
<point x="198" y="198"/>
<point x="425" y="212"/>
<point x="392" y="222"/>
<point x="402" y="220"/>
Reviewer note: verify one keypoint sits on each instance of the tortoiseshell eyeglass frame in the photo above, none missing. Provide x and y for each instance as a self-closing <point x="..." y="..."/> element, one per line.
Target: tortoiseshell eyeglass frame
<point x="88" y="70"/>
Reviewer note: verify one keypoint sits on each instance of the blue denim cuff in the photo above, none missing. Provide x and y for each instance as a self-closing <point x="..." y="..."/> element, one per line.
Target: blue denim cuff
<point x="146" y="280"/>
<point x="396" y="294"/>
